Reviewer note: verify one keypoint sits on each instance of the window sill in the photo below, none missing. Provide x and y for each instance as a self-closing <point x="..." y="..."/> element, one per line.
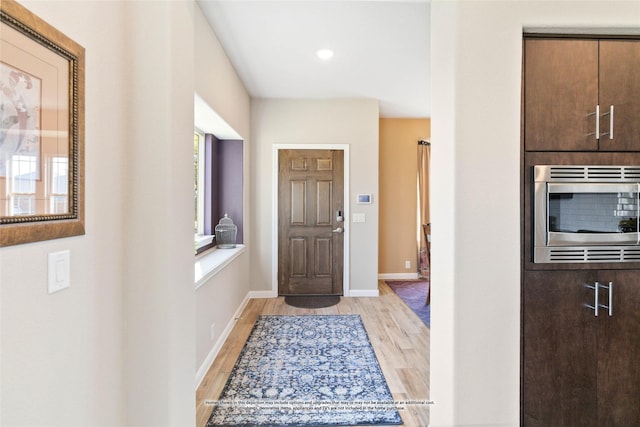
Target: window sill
<point x="202" y="240"/>
<point x="211" y="262"/>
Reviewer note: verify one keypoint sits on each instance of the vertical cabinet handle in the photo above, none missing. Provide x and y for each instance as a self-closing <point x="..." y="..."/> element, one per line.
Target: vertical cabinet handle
<point x="596" y="304"/>
<point x="597" y="115"/>
<point x="609" y="307"/>
<point x="597" y="128"/>
<point x="596" y="295"/>
<point x="611" y="122"/>
<point x="610" y="114"/>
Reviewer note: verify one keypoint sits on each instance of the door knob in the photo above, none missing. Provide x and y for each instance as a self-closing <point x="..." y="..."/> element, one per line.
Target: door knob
<point x="338" y="230"/>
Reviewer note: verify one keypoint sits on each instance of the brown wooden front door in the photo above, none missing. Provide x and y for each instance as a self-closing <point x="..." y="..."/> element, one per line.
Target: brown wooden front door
<point x="310" y="236"/>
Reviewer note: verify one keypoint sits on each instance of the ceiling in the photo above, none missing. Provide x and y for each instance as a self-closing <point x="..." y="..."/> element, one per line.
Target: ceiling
<point x="381" y="49"/>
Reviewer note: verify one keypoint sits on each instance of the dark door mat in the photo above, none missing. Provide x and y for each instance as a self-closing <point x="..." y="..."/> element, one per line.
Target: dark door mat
<point x="312" y="301"/>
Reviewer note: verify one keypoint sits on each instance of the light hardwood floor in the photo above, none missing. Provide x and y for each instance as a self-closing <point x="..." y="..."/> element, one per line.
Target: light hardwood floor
<point x="400" y="341"/>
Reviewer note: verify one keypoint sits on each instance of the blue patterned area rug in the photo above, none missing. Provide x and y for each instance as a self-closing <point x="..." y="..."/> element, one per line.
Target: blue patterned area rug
<point x="414" y="294"/>
<point x="313" y="370"/>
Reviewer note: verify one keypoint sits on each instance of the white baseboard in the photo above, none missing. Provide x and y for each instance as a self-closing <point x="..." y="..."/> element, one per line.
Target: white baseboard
<point x="262" y="294"/>
<point x="398" y="276"/>
<point x="363" y="293"/>
<point x="206" y="364"/>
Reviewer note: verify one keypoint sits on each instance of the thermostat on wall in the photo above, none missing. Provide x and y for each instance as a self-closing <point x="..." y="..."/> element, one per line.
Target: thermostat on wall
<point x="364" y="198"/>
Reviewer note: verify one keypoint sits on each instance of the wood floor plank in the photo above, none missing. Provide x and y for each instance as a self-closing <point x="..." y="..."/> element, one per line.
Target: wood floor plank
<point x="398" y="337"/>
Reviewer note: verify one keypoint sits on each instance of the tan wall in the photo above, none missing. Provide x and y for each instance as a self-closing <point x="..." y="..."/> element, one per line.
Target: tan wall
<point x="398" y="193"/>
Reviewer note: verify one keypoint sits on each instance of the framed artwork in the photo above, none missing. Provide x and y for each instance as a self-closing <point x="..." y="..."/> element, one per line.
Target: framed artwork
<point x="20" y="107"/>
<point x="41" y="129"/>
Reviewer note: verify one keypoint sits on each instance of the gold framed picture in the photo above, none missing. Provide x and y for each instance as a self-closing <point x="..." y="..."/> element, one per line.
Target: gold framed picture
<point x="41" y="129"/>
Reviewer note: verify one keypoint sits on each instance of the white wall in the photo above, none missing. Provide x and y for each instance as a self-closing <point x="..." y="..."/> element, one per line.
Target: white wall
<point x="347" y="121"/>
<point x="159" y="308"/>
<point x="219" y="86"/>
<point x="476" y="69"/>
<point x="62" y="354"/>
<point x="216" y="80"/>
<point x="118" y="347"/>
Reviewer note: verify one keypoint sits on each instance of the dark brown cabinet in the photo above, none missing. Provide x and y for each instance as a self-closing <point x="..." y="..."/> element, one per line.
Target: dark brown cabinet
<point x="581" y="105"/>
<point x="580" y="369"/>
<point x="619" y="95"/>
<point x="560" y="92"/>
<point x="619" y="352"/>
<point x="581" y="95"/>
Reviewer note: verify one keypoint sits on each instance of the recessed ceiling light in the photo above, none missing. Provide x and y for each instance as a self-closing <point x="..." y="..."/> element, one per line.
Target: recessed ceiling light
<point x="324" y="54"/>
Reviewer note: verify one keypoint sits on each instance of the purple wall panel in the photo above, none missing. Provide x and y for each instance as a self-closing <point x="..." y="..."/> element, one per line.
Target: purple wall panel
<point x="230" y="184"/>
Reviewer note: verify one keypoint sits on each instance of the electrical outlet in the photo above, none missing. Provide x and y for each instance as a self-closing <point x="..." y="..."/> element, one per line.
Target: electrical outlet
<point x="407" y="264"/>
<point x="213" y="331"/>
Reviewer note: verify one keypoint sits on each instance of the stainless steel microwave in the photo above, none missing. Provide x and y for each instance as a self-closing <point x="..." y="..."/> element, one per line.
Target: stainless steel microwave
<point x="586" y="214"/>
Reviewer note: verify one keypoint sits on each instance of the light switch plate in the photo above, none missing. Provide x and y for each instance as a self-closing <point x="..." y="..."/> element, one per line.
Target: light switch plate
<point x="359" y="217"/>
<point x="59" y="270"/>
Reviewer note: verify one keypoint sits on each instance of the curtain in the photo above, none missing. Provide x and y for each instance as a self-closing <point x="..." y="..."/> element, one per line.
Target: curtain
<point x="424" y="157"/>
